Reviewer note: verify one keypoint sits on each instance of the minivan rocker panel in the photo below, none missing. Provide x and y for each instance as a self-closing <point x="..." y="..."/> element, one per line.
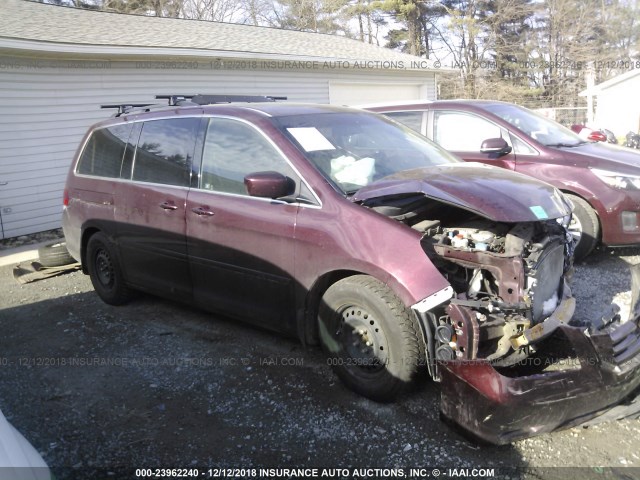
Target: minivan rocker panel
<point x="389" y="252"/>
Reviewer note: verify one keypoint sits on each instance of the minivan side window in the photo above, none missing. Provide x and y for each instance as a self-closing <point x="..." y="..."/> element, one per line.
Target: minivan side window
<point x="521" y="148"/>
<point x="102" y="155"/>
<point x="234" y="149"/>
<point x="165" y="151"/>
<point x="463" y="132"/>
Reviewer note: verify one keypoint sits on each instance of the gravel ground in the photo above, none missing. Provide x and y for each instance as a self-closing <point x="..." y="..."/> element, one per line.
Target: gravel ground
<point x="47" y="236"/>
<point x="166" y="386"/>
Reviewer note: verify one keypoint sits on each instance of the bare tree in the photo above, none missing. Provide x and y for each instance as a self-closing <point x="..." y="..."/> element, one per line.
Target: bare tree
<point x="465" y="37"/>
<point x="368" y="18"/>
<point x="322" y="16"/>
<point x="214" y="10"/>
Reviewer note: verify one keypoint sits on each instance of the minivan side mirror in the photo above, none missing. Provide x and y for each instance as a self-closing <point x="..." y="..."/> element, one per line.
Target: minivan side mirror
<point x="495" y="146"/>
<point x="268" y="185"/>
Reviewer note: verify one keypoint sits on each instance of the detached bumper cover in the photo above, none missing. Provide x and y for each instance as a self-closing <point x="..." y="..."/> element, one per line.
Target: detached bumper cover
<point x="602" y="383"/>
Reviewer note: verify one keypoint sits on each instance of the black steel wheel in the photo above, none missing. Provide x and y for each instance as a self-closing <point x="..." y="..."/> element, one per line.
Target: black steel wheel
<point x="372" y="339"/>
<point x="105" y="271"/>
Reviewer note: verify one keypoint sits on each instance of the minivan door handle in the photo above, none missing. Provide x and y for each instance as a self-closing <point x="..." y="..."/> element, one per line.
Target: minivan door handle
<point x="168" y="205"/>
<point x="202" y="211"/>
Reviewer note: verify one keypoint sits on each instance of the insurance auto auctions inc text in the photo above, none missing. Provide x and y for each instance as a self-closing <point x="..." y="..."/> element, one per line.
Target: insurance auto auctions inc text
<point x="354" y="473"/>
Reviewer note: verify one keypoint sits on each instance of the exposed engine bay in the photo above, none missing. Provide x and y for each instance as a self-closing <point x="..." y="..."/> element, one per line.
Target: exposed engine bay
<point x="509" y="279"/>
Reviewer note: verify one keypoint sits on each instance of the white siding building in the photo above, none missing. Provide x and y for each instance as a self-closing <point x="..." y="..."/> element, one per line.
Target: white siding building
<point x="617" y="103"/>
<point x="59" y="64"/>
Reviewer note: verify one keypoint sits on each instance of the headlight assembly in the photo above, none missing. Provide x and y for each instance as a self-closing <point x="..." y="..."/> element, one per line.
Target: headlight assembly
<point x="618" y="180"/>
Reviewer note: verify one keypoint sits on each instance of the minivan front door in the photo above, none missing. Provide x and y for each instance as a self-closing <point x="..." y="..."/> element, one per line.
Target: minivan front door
<point x="242" y="254"/>
<point x="241" y="248"/>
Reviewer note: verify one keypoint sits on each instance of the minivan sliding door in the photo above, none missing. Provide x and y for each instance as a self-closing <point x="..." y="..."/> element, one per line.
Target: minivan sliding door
<point x="151" y="208"/>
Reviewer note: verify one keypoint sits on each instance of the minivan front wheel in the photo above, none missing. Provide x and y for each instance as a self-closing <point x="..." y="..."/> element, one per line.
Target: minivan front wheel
<point x="584" y="227"/>
<point x="371" y="337"/>
<point x="105" y="271"/>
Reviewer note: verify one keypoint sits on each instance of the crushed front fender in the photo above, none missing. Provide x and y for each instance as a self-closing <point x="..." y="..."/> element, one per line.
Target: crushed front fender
<point x="598" y="381"/>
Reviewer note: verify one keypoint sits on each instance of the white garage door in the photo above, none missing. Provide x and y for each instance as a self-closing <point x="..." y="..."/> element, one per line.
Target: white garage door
<point x="363" y="93"/>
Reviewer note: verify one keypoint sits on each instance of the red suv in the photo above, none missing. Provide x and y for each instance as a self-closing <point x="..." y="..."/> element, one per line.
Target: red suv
<point x="342" y="227"/>
<point x="601" y="180"/>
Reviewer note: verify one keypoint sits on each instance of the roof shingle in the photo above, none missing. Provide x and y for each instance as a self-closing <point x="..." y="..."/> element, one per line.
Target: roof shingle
<point x="36" y="22"/>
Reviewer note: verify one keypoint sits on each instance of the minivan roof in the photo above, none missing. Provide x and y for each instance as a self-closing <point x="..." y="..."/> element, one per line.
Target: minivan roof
<point x="247" y="109"/>
<point x="271" y="109"/>
<point x="274" y="109"/>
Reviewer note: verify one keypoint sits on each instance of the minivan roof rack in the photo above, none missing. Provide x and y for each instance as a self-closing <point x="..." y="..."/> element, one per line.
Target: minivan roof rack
<point x="126" y="107"/>
<point x="191" y="100"/>
<point x="177" y="100"/>
<point x="203" y="99"/>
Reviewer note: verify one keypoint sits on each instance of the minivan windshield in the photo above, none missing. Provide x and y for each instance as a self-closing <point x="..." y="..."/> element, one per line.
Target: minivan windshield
<point x="354" y="149"/>
<point x="541" y="129"/>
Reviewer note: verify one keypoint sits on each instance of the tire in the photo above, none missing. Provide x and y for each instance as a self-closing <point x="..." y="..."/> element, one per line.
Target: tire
<point x="105" y="271"/>
<point x="371" y="338"/>
<point x="55" y="255"/>
<point x="584" y="227"/>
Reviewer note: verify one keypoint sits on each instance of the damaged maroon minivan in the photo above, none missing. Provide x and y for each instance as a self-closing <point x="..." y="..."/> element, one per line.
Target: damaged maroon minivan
<point x="349" y="230"/>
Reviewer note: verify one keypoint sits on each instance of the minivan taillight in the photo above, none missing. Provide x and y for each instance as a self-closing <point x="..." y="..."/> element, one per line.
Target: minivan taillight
<point x="65" y="198"/>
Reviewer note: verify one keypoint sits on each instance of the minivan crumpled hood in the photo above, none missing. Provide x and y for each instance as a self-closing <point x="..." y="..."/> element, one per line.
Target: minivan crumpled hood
<point x="605" y="157"/>
<point x="494" y="193"/>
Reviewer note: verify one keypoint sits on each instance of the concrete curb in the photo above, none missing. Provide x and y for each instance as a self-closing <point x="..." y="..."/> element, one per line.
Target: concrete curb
<point x="24" y="253"/>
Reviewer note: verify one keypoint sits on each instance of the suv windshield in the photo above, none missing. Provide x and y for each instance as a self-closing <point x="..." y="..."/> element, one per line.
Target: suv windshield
<point x="545" y="131"/>
<point x="355" y="149"/>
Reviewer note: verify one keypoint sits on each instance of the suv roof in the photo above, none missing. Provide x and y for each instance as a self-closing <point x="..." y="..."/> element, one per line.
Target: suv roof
<point x="410" y="103"/>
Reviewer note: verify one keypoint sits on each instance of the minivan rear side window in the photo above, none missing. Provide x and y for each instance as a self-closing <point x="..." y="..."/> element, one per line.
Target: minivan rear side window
<point x="165" y="151"/>
<point x="102" y="156"/>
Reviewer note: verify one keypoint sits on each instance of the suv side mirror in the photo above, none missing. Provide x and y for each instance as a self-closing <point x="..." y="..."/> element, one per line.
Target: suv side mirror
<point x="495" y="146"/>
<point x="268" y="185"/>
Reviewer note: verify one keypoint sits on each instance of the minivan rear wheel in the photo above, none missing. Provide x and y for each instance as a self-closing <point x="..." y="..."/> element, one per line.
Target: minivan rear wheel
<point x="371" y="337"/>
<point x="584" y="227"/>
<point x="105" y="271"/>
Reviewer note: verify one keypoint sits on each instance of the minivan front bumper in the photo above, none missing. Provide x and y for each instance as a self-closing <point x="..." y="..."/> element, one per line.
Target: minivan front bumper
<point x="600" y="382"/>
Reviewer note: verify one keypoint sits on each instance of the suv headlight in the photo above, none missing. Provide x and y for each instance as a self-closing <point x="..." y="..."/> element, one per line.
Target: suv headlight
<point x="618" y="180"/>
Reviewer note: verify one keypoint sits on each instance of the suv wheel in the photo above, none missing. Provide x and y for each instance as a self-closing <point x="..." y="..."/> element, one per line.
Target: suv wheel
<point x="371" y="338"/>
<point x="105" y="271"/>
<point x="584" y="227"/>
